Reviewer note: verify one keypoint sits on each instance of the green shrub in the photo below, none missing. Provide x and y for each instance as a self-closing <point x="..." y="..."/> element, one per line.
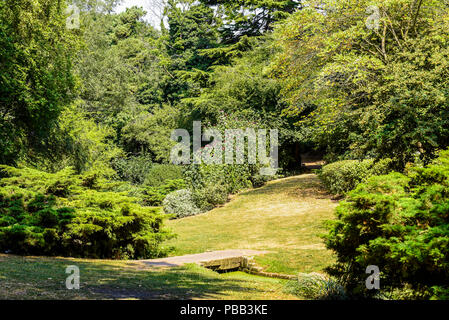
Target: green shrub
<point x="133" y="169"/>
<point x="180" y="204"/>
<point x="315" y="286"/>
<point x="160" y="173"/>
<point x="399" y="222"/>
<point x="153" y="196"/>
<point x="212" y="184"/>
<point x="233" y="177"/>
<point x="343" y="176"/>
<point x="72" y="215"/>
<point x="32" y="226"/>
<point x="259" y="181"/>
<point x="210" y="196"/>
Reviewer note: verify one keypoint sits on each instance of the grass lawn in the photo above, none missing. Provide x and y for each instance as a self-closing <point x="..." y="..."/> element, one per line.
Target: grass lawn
<point x="44" y="278"/>
<point x="286" y="218"/>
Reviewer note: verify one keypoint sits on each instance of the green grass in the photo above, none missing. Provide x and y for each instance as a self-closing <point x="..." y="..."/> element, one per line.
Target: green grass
<point x="286" y="218"/>
<point x="44" y="278"/>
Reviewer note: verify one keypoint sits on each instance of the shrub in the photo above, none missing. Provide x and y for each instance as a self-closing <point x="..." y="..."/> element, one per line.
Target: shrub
<point x="153" y="196"/>
<point x="133" y="169"/>
<point x="32" y="226"/>
<point x="210" y="196"/>
<point x="343" y="176"/>
<point x="160" y="173"/>
<point x="180" y="204"/>
<point x="315" y="286"/>
<point x="233" y="177"/>
<point x="400" y="223"/>
<point x="211" y="184"/>
<point x="71" y="215"/>
<point x="259" y="181"/>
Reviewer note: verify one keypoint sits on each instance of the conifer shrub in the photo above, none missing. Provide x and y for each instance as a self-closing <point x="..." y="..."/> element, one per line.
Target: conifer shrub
<point x="400" y="223"/>
<point x="74" y="215"/>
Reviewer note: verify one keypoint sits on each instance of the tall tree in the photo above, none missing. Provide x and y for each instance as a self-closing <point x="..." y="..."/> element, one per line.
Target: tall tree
<point x="373" y="82"/>
<point x="36" y="82"/>
<point x="250" y="17"/>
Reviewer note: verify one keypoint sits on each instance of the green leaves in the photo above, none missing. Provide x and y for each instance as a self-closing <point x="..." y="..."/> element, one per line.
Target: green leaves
<point x="36" y="68"/>
<point x="399" y="223"/>
<point x="59" y="214"/>
<point x="375" y="91"/>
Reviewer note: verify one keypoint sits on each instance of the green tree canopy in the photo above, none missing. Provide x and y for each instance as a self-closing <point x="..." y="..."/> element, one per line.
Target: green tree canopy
<point x="36" y="78"/>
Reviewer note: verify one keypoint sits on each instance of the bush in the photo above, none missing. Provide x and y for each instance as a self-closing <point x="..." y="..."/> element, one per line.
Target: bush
<point x="160" y="173"/>
<point x="259" y="181"/>
<point x="315" y="286"/>
<point x="133" y="169"/>
<point x="233" y="177"/>
<point x="400" y="223"/>
<point x="343" y="176"/>
<point x="211" y="184"/>
<point x="210" y="196"/>
<point x="180" y="204"/>
<point x="70" y="215"/>
<point x="153" y="196"/>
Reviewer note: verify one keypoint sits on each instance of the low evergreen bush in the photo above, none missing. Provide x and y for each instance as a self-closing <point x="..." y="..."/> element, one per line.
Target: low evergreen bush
<point x="400" y="223"/>
<point x="73" y="215"/>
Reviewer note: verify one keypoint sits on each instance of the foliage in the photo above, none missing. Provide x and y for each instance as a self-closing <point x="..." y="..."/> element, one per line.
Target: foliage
<point x="180" y="204"/>
<point x="210" y="196"/>
<point x="400" y="223"/>
<point x="154" y="196"/>
<point x="79" y="142"/>
<point x="74" y="215"/>
<point x="366" y="90"/>
<point x="32" y="227"/>
<point x="36" y="56"/>
<point x="315" y="286"/>
<point x="244" y="96"/>
<point x="160" y="173"/>
<point x="133" y="169"/>
<point x="250" y="17"/>
<point x="343" y="176"/>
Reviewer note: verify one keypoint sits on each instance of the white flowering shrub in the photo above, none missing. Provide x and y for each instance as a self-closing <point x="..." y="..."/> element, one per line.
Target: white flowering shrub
<point x="181" y="204"/>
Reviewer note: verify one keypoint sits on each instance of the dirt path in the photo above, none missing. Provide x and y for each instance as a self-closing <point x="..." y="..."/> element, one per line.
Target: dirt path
<point x="201" y="257"/>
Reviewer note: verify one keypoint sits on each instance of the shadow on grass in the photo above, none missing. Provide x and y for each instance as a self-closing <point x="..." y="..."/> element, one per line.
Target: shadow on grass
<point x="44" y="278"/>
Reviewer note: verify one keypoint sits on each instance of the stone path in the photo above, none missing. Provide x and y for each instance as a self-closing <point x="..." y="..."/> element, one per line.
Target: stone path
<point x="201" y="257"/>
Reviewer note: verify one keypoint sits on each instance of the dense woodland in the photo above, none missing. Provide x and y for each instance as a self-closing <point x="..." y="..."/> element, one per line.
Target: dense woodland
<point x="87" y="114"/>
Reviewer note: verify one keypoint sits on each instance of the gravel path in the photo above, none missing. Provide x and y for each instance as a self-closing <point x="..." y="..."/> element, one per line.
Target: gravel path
<point x="201" y="257"/>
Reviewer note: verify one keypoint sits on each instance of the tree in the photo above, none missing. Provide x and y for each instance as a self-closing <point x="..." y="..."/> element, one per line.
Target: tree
<point x="36" y="56"/>
<point x="371" y="88"/>
<point x="250" y="17"/>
